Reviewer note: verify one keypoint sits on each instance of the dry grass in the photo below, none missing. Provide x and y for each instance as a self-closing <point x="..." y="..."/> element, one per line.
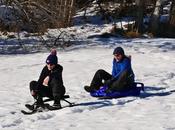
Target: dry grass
<point x="39" y="15"/>
<point x="132" y="34"/>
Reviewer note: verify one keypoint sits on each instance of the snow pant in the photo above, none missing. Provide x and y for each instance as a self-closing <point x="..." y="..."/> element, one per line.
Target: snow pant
<point x="52" y="91"/>
<point x="124" y="82"/>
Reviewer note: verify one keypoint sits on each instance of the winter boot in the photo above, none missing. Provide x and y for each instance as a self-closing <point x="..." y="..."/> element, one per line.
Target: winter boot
<point x="39" y="103"/>
<point x="30" y="107"/>
<point x="88" y="89"/>
<point x="56" y="105"/>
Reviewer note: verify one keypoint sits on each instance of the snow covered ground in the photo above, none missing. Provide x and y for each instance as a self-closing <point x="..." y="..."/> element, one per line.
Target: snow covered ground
<point x="153" y="62"/>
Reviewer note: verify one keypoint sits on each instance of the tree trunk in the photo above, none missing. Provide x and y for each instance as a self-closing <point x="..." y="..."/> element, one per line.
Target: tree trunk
<point x="172" y="14"/>
<point x="154" y="25"/>
<point x="71" y="12"/>
<point x="140" y="13"/>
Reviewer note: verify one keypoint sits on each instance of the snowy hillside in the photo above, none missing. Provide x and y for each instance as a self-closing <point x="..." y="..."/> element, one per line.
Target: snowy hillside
<point x="153" y="62"/>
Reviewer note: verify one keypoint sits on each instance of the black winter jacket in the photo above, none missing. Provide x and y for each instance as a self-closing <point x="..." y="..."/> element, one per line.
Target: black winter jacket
<point x="55" y="78"/>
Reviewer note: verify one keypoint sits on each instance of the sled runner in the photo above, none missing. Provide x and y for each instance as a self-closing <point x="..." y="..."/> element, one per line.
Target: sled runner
<point x="46" y="107"/>
<point x="102" y="94"/>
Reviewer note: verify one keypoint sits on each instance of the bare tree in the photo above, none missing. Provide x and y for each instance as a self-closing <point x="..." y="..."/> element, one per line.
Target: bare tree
<point x="172" y="14"/>
<point x="154" y="24"/>
<point x="38" y="15"/>
<point x="140" y="14"/>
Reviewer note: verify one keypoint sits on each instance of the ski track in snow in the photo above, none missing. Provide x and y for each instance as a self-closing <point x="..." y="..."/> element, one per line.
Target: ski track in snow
<point x="154" y="109"/>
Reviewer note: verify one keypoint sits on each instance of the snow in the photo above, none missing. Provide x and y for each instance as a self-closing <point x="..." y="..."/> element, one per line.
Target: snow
<point x="153" y="63"/>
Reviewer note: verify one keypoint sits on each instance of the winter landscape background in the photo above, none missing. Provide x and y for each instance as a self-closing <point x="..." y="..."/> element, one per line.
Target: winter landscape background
<point x="153" y="61"/>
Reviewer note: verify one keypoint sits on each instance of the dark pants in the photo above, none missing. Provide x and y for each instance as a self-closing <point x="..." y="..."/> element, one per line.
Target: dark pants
<point x="51" y="91"/>
<point x="124" y="82"/>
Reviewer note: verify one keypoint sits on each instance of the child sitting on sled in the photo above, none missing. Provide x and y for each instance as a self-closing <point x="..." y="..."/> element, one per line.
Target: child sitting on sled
<point x="50" y="83"/>
<point x="122" y="76"/>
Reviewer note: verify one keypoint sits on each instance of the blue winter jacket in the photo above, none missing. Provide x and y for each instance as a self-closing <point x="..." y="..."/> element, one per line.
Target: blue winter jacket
<point x="120" y="66"/>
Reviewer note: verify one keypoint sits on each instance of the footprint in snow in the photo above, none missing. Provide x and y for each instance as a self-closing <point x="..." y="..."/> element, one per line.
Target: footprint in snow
<point x="45" y="116"/>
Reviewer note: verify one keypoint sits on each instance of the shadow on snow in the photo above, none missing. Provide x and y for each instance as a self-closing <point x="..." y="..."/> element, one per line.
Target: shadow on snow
<point x="155" y="91"/>
<point x="148" y="92"/>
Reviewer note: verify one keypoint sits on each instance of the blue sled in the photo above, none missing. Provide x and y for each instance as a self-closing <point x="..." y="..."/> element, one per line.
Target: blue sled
<point x="135" y="91"/>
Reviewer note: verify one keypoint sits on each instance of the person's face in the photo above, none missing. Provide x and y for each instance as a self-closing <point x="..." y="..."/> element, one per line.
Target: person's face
<point x="118" y="57"/>
<point x="50" y="66"/>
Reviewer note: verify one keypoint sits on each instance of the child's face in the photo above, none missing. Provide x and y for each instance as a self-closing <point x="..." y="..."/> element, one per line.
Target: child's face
<point x="118" y="57"/>
<point x="50" y="66"/>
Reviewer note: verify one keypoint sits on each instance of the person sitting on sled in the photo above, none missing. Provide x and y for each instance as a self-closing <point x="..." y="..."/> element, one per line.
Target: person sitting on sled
<point x="122" y="76"/>
<point x="50" y="83"/>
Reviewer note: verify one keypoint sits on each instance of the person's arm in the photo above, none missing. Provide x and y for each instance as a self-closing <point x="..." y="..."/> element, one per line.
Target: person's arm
<point x="110" y="81"/>
<point x="46" y="81"/>
<point x="57" y="74"/>
<point x="42" y="75"/>
<point x="124" y="66"/>
<point x="113" y="68"/>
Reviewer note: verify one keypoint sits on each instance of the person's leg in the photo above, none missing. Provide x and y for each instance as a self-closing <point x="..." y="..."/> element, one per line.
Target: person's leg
<point x="33" y="88"/>
<point x="123" y="83"/>
<point x="58" y="91"/>
<point x="36" y="92"/>
<point x="98" y="78"/>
